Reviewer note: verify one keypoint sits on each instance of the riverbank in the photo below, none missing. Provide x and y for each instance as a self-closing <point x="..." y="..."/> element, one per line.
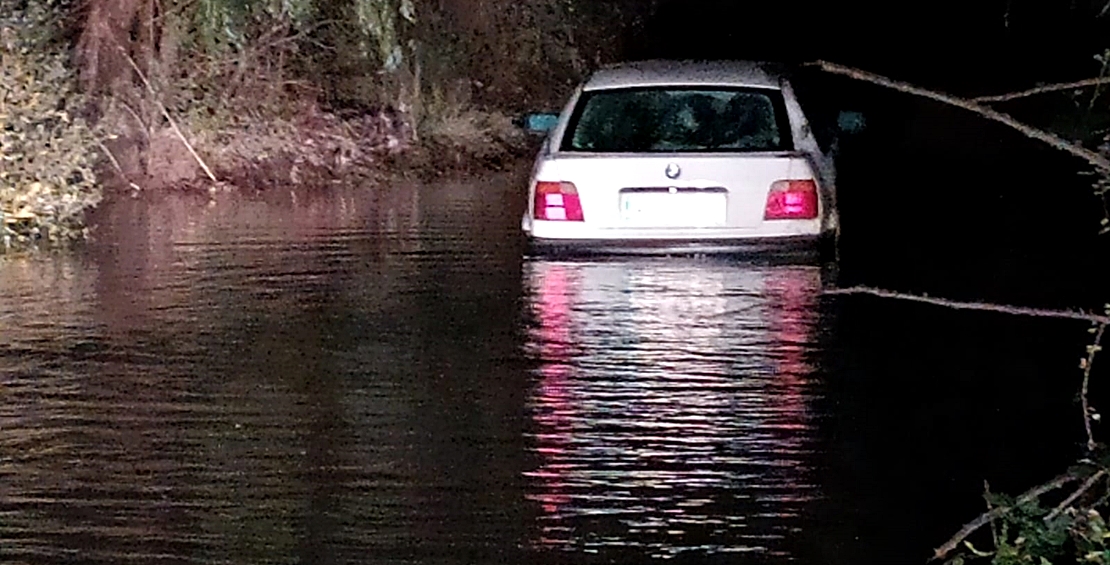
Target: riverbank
<point x="317" y="149"/>
<point x="66" y="143"/>
<point x="277" y="145"/>
<point x="305" y="144"/>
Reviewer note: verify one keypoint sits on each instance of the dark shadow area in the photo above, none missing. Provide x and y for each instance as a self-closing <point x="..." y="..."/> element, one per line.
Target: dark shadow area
<point x="923" y="405"/>
<point x="950" y="44"/>
<point x="935" y="199"/>
<point x="932" y="198"/>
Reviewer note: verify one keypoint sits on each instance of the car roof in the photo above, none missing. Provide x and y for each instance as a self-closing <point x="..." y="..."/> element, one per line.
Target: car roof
<point x="660" y="72"/>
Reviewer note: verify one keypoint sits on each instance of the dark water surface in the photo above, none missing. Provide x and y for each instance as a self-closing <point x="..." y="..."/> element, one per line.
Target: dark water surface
<point x="378" y="377"/>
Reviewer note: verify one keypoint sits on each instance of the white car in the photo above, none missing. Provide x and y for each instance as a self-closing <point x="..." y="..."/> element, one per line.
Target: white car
<point x="679" y="157"/>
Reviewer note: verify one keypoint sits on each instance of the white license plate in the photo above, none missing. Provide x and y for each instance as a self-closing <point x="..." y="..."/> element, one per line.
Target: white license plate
<point x="675" y="210"/>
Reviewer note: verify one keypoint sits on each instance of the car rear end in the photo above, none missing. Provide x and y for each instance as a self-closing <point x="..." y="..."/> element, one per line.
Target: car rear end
<point x="673" y="167"/>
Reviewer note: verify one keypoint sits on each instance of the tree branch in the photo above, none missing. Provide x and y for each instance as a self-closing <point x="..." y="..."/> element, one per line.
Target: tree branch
<point x="1042" y="90"/>
<point x="166" y="114"/>
<point x="116" y="165"/>
<point x="990" y="507"/>
<point x="1086" y="365"/>
<point x="1086" y="486"/>
<point x="999" y="511"/>
<point x="1091" y="157"/>
<point x="982" y="306"/>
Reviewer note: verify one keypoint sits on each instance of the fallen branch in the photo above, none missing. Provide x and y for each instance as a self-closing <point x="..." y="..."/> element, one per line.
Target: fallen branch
<point x="982" y="306"/>
<point x="1056" y="87"/>
<point x="999" y="511"/>
<point x="1091" y="157"/>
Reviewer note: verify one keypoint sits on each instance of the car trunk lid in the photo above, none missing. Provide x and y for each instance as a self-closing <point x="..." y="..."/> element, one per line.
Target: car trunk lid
<point x="676" y="191"/>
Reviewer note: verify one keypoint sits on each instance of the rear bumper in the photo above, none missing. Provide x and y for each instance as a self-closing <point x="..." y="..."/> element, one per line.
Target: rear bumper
<point x="806" y="247"/>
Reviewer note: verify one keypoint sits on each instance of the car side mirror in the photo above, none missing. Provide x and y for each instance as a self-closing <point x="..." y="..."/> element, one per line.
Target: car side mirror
<point x="849" y="123"/>
<point x="539" y="123"/>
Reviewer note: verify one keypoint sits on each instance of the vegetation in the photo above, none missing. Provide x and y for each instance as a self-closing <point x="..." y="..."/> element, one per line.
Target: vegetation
<point x="283" y="91"/>
<point x="202" y="93"/>
<point x="47" y="179"/>
<point x="155" y="94"/>
<point x="1062" y="520"/>
<point x="1051" y="524"/>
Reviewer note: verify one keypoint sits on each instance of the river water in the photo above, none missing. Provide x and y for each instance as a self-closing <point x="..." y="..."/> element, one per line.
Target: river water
<point x="379" y="377"/>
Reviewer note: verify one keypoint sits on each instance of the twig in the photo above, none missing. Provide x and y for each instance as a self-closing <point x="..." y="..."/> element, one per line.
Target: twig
<point x="1086" y="486"/>
<point x="135" y="115"/>
<point x="1056" y="87"/>
<point x="1101" y="73"/>
<point x="1091" y="157"/>
<point x="986" y="496"/>
<point x="982" y="306"/>
<point x="166" y="114"/>
<point x="1086" y="365"/>
<point x="112" y="158"/>
<point x="116" y="165"/>
<point x="258" y="46"/>
<point x="999" y="511"/>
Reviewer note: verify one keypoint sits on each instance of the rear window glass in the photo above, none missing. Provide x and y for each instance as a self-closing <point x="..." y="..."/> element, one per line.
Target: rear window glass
<point x="653" y="120"/>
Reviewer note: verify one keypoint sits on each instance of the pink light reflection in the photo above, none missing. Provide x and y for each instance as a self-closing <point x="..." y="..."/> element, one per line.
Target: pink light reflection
<point x="552" y="412"/>
<point x="791" y="328"/>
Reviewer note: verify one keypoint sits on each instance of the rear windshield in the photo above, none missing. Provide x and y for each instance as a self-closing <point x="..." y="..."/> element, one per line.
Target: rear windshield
<point x="654" y="120"/>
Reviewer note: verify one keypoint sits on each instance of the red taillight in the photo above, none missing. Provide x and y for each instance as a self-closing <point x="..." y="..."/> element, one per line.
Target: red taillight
<point x="792" y="200"/>
<point x="557" y="201"/>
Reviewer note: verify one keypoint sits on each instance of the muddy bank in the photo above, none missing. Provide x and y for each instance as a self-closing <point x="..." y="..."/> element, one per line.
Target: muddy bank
<point x="311" y="146"/>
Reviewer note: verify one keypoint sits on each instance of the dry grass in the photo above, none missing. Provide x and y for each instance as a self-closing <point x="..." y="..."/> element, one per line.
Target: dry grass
<point x="454" y="134"/>
<point x="305" y="146"/>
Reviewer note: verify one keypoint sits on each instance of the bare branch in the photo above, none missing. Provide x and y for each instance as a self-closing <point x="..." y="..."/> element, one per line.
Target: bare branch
<point x="111" y="158"/>
<point x="135" y="115"/>
<point x="116" y="165"/>
<point x="999" y="511"/>
<point x="1086" y="486"/>
<point x="1056" y="87"/>
<point x="990" y="507"/>
<point x="1091" y="157"/>
<point x="1086" y="365"/>
<point x="166" y="114"/>
<point x="982" y="306"/>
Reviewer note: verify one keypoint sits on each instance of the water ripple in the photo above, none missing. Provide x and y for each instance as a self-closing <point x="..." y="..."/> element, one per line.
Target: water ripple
<point x="670" y="407"/>
<point x="348" y="378"/>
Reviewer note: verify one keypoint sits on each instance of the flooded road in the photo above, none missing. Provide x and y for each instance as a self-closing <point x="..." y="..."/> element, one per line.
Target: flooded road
<point x="672" y="405"/>
<point x="378" y="377"/>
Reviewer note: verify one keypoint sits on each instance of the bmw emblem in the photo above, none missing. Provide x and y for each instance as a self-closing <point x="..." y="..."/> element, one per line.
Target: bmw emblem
<point x="673" y="171"/>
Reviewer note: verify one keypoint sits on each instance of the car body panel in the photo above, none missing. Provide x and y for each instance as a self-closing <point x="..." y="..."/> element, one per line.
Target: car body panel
<point x="717" y="198"/>
<point x="606" y="187"/>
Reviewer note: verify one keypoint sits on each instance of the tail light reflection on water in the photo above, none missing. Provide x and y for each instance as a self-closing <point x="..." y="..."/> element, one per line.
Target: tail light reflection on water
<point x="552" y="402"/>
<point x="670" y="406"/>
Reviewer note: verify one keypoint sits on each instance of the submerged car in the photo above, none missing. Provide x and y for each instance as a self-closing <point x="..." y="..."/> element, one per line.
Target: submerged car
<point x="679" y="157"/>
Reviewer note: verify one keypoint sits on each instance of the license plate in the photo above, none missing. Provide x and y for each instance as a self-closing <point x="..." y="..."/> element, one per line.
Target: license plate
<point x="674" y="209"/>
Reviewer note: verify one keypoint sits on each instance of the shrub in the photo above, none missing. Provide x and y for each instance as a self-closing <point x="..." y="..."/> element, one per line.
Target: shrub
<point x="47" y="180"/>
<point x="460" y="134"/>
